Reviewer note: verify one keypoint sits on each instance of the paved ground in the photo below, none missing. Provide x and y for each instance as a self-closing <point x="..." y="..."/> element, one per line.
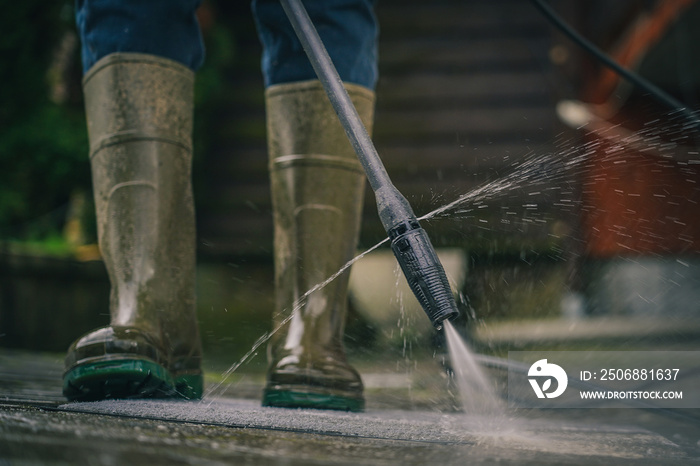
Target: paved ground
<point x="38" y="427"/>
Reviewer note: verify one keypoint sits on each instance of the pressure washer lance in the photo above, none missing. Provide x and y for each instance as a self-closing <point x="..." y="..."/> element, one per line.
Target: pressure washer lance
<point x="410" y="243"/>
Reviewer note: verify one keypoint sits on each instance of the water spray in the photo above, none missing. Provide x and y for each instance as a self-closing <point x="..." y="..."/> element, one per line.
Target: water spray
<point x="409" y="242"/>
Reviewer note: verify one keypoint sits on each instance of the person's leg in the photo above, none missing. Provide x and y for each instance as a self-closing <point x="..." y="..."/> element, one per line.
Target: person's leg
<point x="165" y="28"/>
<point x="317" y="187"/>
<point x="348" y="30"/>
<point x="139" y="114"/>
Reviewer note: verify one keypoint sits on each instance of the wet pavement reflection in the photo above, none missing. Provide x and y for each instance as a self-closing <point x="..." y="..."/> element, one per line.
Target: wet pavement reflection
<point x="37" y="427"/>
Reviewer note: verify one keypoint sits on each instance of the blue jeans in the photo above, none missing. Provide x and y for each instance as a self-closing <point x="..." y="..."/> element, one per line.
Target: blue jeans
<point x="169" y="28"/>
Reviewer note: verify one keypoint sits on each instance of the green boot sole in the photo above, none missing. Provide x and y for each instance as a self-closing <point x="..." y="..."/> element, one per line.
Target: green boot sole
<point x="298" y="399"/>
<point x="128" y="378"/>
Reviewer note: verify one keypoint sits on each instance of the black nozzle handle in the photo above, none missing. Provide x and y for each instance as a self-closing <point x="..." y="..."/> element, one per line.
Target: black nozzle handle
<point x="423" y="271"/>
<point x="415" y="254"/>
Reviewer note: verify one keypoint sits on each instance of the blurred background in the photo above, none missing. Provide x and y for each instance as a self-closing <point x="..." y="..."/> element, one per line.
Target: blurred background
<point x="578" y="222"/>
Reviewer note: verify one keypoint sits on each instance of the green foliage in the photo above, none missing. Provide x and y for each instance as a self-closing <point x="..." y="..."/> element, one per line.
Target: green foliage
<point x="43" y="137"/>
<point x="29" y="31"/>
<point x="43" y="142"/>
<point x="210" y="83"/>
<point x="45" y="155"/>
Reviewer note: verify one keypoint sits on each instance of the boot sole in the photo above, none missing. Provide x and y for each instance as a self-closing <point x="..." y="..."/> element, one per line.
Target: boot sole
<point x="305" y="399"/>
<point x="128" y="378"/>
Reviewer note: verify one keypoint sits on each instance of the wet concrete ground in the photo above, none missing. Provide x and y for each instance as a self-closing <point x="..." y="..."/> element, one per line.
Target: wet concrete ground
<point x="38" y="427"/>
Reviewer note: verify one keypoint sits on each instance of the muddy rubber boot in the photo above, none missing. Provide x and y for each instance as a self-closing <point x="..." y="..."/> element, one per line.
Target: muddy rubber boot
<point x="317" y="195"/>
<point x="139" y="114"/>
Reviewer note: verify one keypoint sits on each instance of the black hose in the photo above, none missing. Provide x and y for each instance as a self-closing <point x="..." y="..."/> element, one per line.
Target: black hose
<point x="634" y="78"/>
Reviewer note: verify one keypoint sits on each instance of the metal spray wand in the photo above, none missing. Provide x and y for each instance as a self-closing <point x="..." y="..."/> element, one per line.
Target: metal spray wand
<point x="409" y="242"/>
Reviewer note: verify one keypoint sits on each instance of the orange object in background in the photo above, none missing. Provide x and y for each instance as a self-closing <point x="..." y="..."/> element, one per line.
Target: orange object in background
<point x="641" y="188"/>
<point x="635" y="203"/>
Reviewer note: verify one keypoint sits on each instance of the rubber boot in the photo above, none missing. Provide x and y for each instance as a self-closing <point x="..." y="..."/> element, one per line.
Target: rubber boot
<point x="139" y="114"/>
<point x="317" y="194"/>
